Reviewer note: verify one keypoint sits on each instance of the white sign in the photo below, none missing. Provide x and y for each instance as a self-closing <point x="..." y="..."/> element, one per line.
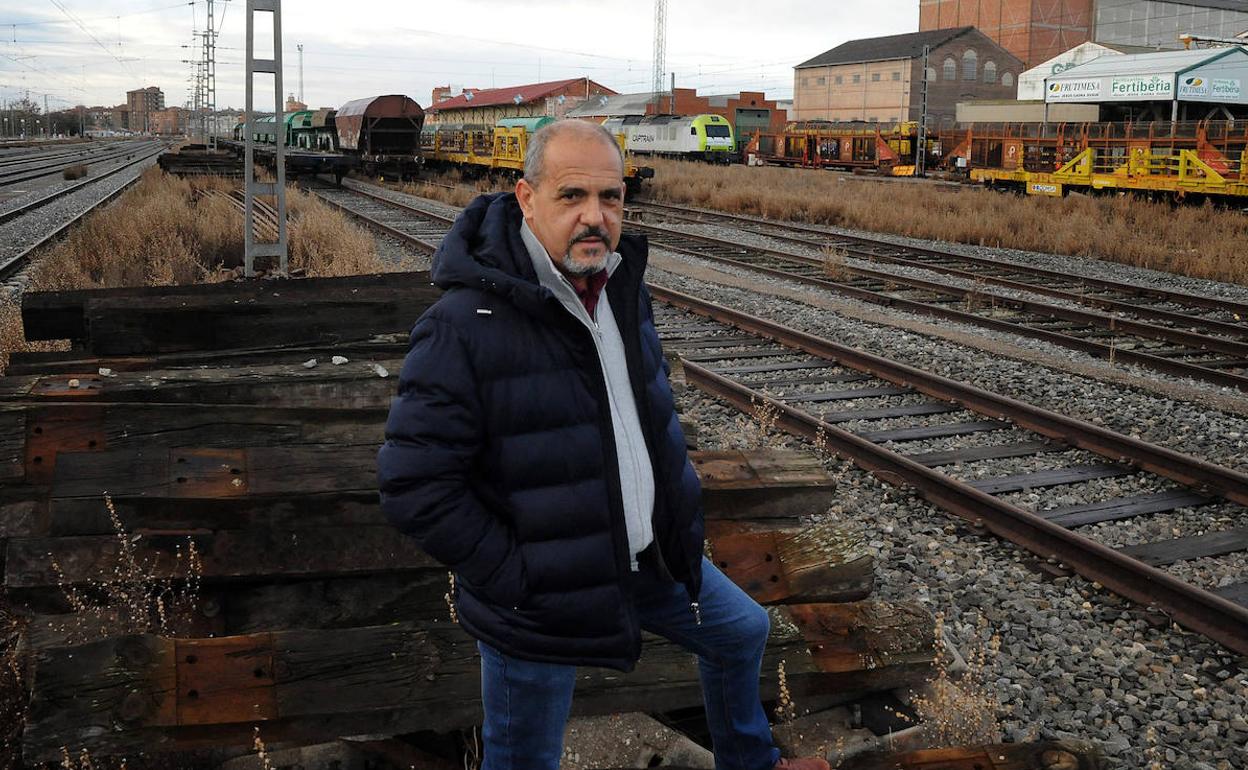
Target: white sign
<point x="1201" y="87"/>
<point x="1142" y="89"/>
<point x="1073" y="90"/>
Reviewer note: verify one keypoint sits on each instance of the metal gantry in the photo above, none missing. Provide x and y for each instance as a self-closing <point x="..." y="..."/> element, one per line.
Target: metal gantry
<point x="253" y="186"/>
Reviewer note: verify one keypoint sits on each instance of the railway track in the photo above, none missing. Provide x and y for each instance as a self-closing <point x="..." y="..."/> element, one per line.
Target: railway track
<point x="44" y="166"/>
<point x="867" y="408"/>
<point x="1186" y="345"/>
<point x="16" y="227"/>
<point x="1116" y="296"/>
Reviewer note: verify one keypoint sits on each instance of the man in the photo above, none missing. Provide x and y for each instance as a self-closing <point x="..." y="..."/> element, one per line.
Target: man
<point x="534" y="449"/>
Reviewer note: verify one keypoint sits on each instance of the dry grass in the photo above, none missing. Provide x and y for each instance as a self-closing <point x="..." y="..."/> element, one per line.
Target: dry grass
<point x="961" y="710"/>
<point x="1199" y="241"/>
<point x="834" y="266"/>
<point x="75" y="172"/>
<point x="129" y="596"/>
<point x="165" y="231"/>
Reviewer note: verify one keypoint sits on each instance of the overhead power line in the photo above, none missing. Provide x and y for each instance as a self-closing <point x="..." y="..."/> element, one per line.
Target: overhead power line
<point x="88" y="33"/>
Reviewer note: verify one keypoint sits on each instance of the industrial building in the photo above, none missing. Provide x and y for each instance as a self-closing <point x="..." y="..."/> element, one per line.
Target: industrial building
<point x="1031" y="30"/>
<point x="489" y="105"/>
<point x="1038" y="30"/>
<point x="1198" y="84"/>
<point x="1158" y="24"/>
<point x="747" y="111"/>
<point x="1031" y="82"/>
<point x="140" y="104"/>
<point x="880" y="80"/>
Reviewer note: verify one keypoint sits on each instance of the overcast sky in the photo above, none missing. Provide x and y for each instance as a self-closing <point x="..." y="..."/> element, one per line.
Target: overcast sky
<point x="93" y="52"/>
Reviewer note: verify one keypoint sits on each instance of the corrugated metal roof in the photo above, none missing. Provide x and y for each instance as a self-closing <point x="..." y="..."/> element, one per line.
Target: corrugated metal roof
<point x="492" y="97"/>
<point x="1156" y="63"/>
<point x="612" y="106"/>
<point x="1225" y="5"/>
<point x="907" y="46"/>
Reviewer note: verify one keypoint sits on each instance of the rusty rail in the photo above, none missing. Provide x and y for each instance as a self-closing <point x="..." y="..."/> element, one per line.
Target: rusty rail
<point x="1192" y="607"/>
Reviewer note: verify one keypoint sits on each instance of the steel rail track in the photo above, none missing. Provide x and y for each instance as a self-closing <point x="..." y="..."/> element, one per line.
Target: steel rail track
<point x="26" y="208"/>
<point x="807" y="269"/>
<point x="338" y="198"/>
<point x="12" y="177"/>
<point x="1117" y="294"/>
<point x="1162" y="348"/>
<point x="1195" y="608"/>
<point x="11" y="265"/>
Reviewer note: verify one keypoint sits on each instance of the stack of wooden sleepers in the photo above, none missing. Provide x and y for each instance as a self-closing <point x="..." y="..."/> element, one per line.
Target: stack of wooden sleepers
<point x="233" y="429"/>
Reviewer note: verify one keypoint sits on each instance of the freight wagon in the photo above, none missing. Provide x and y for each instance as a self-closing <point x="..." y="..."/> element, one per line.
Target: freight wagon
<point x="480" y="149"/>
<point x="1174" y="161"/>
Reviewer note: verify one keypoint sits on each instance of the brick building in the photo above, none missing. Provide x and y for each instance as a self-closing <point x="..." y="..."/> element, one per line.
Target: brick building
<point x="168" y="122"/>
<point x="880" y="80"/>
<point x="747" y="111"/>
<point x="141" y="103"/>
<point x="489" y="105"/>
<point x="1032" y="30"/>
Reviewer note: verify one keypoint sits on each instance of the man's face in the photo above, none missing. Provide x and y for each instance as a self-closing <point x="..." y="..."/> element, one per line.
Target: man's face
<point x="577" y="208"/>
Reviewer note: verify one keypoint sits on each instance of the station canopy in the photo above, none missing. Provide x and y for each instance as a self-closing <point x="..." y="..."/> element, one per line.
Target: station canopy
<point x="1216" y="75"/>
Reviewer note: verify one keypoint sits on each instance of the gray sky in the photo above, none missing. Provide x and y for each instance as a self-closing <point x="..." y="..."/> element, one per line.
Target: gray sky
<point x="93" y="52"/>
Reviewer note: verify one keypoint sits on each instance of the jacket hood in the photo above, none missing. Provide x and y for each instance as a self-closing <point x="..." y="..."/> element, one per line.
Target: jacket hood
<point x="484" y="250"/>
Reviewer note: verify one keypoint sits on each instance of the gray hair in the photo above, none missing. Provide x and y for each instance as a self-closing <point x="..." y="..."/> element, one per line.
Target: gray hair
<point x="535" y="155"/>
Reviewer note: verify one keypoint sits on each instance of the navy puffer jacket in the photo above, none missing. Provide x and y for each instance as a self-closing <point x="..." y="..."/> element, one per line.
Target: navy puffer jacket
<point x="500" y="457"/>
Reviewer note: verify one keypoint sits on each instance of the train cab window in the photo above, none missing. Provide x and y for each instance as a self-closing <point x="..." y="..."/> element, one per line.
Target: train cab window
<point x="718" y="131"/>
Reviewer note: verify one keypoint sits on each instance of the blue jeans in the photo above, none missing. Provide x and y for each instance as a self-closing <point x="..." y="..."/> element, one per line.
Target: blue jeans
<point x="526" y="703"/>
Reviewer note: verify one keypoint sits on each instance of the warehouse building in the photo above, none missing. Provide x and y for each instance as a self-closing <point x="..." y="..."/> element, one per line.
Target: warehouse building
<point x="487" y="106"/>
<point x="1166" y="85"/>
<point x="1036" y="31"/>
<point x="1031" y="82"/>
<point x="1158" y="23"/>
<point x="880" y="80"/>
<point x="1031" y="31"/>
<point x="747" y="111"/>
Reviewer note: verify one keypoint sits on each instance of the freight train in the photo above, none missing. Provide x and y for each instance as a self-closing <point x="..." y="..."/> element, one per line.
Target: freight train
<point x="691" y="137"/>
<point x="378" y="134"/>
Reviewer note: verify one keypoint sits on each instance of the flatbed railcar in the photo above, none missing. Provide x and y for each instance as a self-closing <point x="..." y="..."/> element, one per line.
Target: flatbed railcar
<point x="888" y="148"/>
<point x="480" y="149"/>
<point x="1180" y="161"/>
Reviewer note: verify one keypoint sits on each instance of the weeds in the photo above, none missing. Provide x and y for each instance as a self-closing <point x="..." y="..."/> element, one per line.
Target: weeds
<point x="974" y="298"/>
<point x="1126" y="230"/>
<point x="786" y="709"/>
<point x="961" y="711"/>
<point x="128" y="597"/>
<point x="834" y="266"/>
<point x="261" y="750"/>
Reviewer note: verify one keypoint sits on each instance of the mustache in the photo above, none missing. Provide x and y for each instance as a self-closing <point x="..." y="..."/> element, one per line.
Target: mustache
<point x="591" y="232"/>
